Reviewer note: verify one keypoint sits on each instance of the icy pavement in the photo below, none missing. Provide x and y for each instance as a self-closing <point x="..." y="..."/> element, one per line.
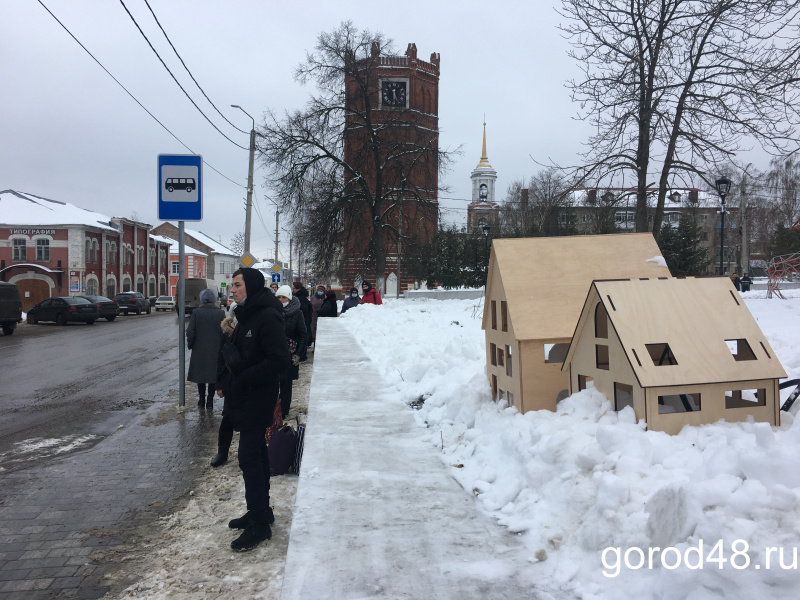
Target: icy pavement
<point x="377" y="513"/>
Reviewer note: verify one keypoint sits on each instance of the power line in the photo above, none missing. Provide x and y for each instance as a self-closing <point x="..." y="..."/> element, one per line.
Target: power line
<point x="132" y="96"/>
<point x="189" y="72"/>
<point x="176" y="80"/>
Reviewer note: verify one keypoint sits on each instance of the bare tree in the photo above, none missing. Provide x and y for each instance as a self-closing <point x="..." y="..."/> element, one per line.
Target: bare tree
<point x="342" y="166"/>
<point x="671" y="86"/>
<point x="237" y="244"/>
<point x="547" y="210"/>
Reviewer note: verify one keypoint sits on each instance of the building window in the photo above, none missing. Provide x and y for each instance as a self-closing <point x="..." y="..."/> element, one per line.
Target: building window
<point x="745" y="398"/>
<point x="661" y="354"/>
<point x="494" y="315"/>
<point x="140" y="285"/>
<point x="678" y="403"/>
<point x="585" y="382"/>
<point x="493" y="353"/>
<point x="20" y="250"/>
<point x="501" y="357"/>
<point x="600" y="321"/>
<point x="88" y="251"/>
<point x="43" y="250"/>
<point x="601" y="357"/>
<point x="504" y="314"/>
<point x="91" y="287"/>
<point x="95" y="252"/>
<point x="509" y="370"/>
<point x="111" y="288"/>
<point x="175" y="267"/>
<point x="623" y="396"/>
<point x="494" y="387"/>
<point x="740" y="350"/>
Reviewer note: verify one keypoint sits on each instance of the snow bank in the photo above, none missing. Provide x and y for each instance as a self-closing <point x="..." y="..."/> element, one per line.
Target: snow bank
<point x="590" y="490"/>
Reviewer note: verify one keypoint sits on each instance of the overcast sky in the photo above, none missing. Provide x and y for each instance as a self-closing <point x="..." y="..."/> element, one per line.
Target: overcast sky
<point x="70" y="133"/>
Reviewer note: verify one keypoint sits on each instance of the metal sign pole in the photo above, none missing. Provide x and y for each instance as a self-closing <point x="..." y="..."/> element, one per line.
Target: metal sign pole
<point x="181" y="319"/>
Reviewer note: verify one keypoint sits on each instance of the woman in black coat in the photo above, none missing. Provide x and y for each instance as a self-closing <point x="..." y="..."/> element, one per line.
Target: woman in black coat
<point x="329" y="308"/>
<point x="297" y="337"/>
<point x="301" y="293"/>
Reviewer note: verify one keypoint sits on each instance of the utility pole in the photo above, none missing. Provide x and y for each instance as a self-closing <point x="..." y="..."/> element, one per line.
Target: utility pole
<point x="743" y="224"/>
<point x="249" y="208"/>
<point x="291" y="278"/>
<point x="277" y="233"/>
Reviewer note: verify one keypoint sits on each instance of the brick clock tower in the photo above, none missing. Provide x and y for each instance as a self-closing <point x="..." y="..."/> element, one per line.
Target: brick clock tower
<point x="403" y="98"/>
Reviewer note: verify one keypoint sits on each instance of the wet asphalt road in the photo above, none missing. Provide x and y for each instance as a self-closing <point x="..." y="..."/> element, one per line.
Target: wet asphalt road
<point x="92" y="449"/>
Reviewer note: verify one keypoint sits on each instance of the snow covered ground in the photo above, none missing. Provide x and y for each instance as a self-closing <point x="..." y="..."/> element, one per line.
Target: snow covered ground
<point x="586" y="488"/>
<point x="589" y="486"/>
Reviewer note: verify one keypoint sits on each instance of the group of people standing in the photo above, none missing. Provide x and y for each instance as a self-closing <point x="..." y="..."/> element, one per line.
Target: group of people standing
<point x="250" y="357"/>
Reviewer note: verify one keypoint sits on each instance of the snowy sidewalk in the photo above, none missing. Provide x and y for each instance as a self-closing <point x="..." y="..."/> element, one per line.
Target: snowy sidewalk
<point x="377" y="514"/>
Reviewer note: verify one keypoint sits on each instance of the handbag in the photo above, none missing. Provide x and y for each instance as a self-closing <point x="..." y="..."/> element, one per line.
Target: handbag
<point x="292" y="345"/>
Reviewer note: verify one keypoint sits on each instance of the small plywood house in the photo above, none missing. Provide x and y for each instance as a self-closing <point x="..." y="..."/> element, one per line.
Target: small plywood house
<point x="679" y="351"/>
<point x="535" y="290"/>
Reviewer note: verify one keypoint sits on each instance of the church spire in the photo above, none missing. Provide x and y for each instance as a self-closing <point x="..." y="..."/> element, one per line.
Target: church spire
<point x="484" y="164"/>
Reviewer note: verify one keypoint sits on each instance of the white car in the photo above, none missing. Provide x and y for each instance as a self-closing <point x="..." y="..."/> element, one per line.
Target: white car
<point x="165" y="303"/>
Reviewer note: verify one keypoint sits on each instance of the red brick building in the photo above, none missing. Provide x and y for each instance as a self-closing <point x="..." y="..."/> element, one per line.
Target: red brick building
<point x="50" y="248"/>
<point x="402" y="103"/>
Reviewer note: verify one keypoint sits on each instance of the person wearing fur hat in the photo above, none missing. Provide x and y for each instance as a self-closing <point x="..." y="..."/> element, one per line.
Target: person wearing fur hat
<point x="329" y="307"/>
<point x="351" y="301"/>
<point x="203" y="338"/>
<point x="253" y="362"/>
<point x="371" y="295"/>
<point x="294" y="326"/>
<point x="316" y="304"/>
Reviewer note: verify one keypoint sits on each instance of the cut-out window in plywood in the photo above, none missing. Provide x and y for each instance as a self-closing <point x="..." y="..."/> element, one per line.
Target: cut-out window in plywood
<point x="678" y="403"/>
<point x="504" y="315"/>
<point x="585" y="382"/>
<point x="494" y="315"/>
<point x="745" y="398"/>
<point x="623" y="395"/>
<point x="740" y="349"/>
<point x="661" y="354"/>
<point x="500" y="357"/>
<point x="510" y="399"/>
<point x="555" y="353"/>
<point x="493" y="354"/>
<point x="600" y="321"/>
<point x="601" y="356"/>
<point x="494" y="387"/>
<point x="509" y="369"/>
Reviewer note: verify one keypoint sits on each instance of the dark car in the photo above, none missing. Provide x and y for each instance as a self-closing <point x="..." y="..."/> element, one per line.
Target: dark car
<point x="132" y="302"/>
<point x="106" y="308"/>
<point x="10" y="307"/>
<point x="62" y="310"/>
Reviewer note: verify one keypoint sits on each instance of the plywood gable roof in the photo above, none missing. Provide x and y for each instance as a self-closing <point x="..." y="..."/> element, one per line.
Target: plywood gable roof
<point x="694" y="317"/>
<point x="545" y="280"/>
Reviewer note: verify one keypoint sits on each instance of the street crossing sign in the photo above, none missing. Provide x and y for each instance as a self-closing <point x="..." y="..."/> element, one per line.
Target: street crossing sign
<point x="180" y="187"/>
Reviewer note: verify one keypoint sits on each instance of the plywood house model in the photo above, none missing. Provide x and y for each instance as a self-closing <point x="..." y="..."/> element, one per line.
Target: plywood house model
<point x="535" y="290"/>
<point x="679" y="351"/>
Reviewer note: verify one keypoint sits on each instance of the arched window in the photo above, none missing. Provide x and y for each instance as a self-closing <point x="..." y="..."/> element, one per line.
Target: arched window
<point x="111" y="287"/>
<point x="88" y="251"/>
<point x="600" y="321"/>
<point x="91" y="286"/>
<point x="95" y="252"/>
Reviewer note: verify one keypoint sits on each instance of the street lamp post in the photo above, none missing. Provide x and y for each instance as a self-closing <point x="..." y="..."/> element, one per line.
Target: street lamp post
<point x="723" y="187"/>
<point x="487" y="229"/>
<point x="249" y="209"/>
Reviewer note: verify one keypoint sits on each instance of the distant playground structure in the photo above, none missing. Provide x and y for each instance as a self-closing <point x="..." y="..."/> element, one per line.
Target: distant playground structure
<point x="781" y="268"/>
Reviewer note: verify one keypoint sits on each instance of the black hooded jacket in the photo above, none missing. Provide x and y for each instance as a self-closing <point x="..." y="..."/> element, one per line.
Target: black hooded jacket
<point x="254" y="359"/>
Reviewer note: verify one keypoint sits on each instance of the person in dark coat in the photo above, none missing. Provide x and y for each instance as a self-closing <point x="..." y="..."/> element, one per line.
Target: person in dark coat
<point x="746" y="282"/>
<point x="351" y="301"/>
<point x="371" y="295"/>
<point x="294" y="326"/>
<point x="254" y="361"/>
<point x="316" y="303"/>
<point x="225" y="434"/>
<point x="329" y="307"/>
<point x="203" y="338"/>
<point x="301" y="293"/>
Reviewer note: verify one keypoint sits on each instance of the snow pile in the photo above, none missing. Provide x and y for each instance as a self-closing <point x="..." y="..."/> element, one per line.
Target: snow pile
<point x="590" y="490"/>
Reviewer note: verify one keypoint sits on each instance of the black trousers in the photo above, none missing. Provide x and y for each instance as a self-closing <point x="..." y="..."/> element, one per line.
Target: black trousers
<point x="285" y="393"/>
<point x="254" y="463"/>
<point x="201" y="389"/>
<point x="225" y="436"/>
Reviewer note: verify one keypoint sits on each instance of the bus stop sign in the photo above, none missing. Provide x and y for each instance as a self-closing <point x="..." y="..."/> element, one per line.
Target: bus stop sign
<point x="180" y="187"/>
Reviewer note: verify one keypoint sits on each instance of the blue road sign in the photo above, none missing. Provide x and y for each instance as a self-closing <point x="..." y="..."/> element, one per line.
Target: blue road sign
<point x="276" y="278"/>
<point x="180" y="187"/>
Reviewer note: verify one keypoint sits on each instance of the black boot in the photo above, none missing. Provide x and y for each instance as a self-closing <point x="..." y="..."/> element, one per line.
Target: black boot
<point x="254" y="533"/>
<point x="210" y="403"/>
<point x="219" y="459"/>
<point x="242" y="521"/>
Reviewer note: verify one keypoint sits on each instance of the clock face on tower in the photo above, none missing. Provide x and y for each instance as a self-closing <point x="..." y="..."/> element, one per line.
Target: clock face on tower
<point x="393" y="93"/>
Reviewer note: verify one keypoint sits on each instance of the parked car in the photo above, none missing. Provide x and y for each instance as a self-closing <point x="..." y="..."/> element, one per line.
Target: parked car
<point x="132" y="302"/>
<point x="63" y="309"/>
<point x="165" y="303"/>
<point x="10" y="307"/>
<point x="107" y="309"/>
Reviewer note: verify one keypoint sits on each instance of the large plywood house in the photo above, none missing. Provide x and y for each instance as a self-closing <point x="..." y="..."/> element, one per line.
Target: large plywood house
<point x="679" y="351"/>
<point x="535" y="290"/>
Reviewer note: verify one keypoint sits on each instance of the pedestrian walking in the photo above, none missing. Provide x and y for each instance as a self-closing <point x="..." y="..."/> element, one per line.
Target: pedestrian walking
<point x="294" y="326"/>
<point x="203" y="338"/>
<point x="735" y="280"/>
<point x="301" y="293"/>
<point x="254" y="361"/>
<point x="745" y="282"/>
<point x="316" y="303"/>
<point x="329" y="307"/>
<point x="351" y="301"/>
<point x="371" y="295"/>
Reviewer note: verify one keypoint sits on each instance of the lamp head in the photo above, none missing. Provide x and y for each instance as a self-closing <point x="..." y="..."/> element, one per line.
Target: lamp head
<point x="486" y="230"/>
<point x="723" y="186"/>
